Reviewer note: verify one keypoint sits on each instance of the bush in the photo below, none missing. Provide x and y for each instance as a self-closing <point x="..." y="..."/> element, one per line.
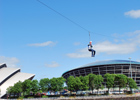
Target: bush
<point x="30" y="97"/>
<point x="53" y="95"/>
<point x="22" y="97"/>
<point x="44" y="96"/>
<point x="106" y="93"/>
<point x="129" y="92"/>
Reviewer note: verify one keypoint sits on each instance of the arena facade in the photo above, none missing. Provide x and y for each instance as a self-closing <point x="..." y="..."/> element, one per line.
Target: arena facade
<point x="10" y="76"/>
<point x="110" y="66"/>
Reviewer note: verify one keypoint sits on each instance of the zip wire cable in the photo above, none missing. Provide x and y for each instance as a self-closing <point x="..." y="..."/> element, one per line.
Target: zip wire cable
<point x="72" y="21"/>
<point x="63" y="16"/>
<point x="89" y="36"/>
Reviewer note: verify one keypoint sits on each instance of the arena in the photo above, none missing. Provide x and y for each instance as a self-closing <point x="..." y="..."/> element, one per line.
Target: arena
<point x="110" y="66"/>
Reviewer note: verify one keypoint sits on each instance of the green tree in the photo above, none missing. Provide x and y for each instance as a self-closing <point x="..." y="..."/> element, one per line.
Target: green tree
<point x="121" y="81"/>
<point x="17" y="88"/>
<point x="71" y="83"/>
<point x="92" y="78"/>
<point x="26" y="86"/>
<point x="65" y="87"/>
<point x="57" y="84"/>
<point x="9" y="90"/>
<point x="44" y="84"/>
<point x="131" y="84"/>
<point x="109" y="79"/>
<point x="98" y="82"/>
<point x="85" y="82"/>
<point x="60" y="83"/>
<point x="53" y="84"/>
<point x="34" y="86"/>
<point x="78" y="84"/>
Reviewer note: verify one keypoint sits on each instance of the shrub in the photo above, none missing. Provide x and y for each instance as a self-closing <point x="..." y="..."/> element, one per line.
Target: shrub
<point x="44" y="96"/>
<point x="22" y="97"/>
<point x="30" y="97"/>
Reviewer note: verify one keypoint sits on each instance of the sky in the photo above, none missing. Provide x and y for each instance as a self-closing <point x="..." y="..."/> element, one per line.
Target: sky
<point x="50" y="37"/>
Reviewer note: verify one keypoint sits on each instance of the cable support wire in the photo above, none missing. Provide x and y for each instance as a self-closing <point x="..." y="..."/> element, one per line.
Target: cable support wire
<point x="72" y="20"/>
<point x="63" y="16"/>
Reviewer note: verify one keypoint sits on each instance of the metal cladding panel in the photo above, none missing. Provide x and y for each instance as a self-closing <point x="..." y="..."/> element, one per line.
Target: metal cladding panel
<point x="14" y="79"/>
<point x="6" y="72"/>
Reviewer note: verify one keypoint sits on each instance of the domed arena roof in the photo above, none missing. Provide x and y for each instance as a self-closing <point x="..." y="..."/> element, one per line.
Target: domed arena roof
<point x="107" y="62"/>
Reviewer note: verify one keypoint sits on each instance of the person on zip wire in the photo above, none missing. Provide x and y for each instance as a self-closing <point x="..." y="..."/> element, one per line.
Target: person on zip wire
<point x="91" y="50"/>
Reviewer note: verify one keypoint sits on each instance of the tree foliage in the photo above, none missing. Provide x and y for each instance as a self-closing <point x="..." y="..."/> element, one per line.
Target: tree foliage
<point x="98" y="82"/>
<point x="91" y="81"/>
<point x="71" y="83"/>
<point x="57" y="84"/>
<point x="85" y="82"/>
<point x="26" y="86"/>
<point x="78" y="84"/>
<point x="121" y="81"/>
<point x="34" y="86"/>
<point x="131" y="84"/>
<point x="92" y="78"/>
<point x="44" y="84"/>
<point x="109" y="79"/>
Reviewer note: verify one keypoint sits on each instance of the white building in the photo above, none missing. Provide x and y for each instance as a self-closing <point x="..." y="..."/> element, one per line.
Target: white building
<point x="10" y="76"/>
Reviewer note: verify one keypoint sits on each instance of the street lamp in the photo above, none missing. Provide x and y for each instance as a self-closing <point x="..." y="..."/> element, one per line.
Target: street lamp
<point x="130" y="69"/>
<point x="0" y="93"/>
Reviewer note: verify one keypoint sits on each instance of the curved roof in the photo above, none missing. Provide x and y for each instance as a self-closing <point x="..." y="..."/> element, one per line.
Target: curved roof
<point x="5" y="72"/>
<point x="106" y="62"/>
<point x="9" y="76"/>
<point x="17" y="77"/>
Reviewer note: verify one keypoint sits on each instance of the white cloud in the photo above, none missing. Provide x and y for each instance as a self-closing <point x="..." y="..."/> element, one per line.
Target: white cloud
<point x="138" y="60"/>
<point x="123" y="47"/>
<point x="53" y="64"/>
<point x="9" y="61"/>
<point x="110" y="48"/>
<point x="77" y="43"/>
<point x="133" y="13"/>
<point x="48" y="43"/>
<point x="83" y="53"/>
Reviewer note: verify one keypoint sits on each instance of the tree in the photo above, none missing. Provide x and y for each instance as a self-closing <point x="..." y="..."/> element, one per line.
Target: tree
<point x="131" y="84"/>
<point x="26" y="86"/>
<point x="78" y="84"/>
<point x="98" y="82"/>
<point x="85" y="82"/>
<point x="57" y="84"/>
<point x="44" y="84"/>
<point x="34" y="86"/>
<point x="17" y="88"/>
<point x="121" y="81"/>
<point x="109" y="79"/>
<point x="53" y="84"/>
<point x="9" y="90"/>
<point x="71" y="83"/>
<point x="92" y="78"/>
<point x="60" y="83"/>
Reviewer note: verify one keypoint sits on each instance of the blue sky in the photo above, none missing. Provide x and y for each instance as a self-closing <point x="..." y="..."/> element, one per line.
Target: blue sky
<point x="40" y="41"/>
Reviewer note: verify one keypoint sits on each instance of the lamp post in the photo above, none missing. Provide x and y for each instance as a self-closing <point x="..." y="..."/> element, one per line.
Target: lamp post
<point x="130" y="66"/>
<point x="0" y="93"/>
